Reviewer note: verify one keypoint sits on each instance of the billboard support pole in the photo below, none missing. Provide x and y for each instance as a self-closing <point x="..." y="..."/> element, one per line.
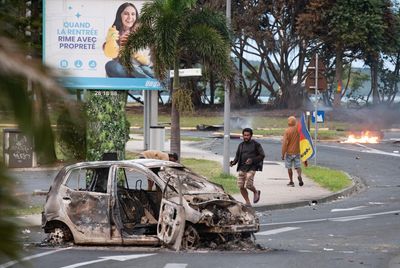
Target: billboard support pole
<point x="146" y="119"/>
<point x="227" y="106"/>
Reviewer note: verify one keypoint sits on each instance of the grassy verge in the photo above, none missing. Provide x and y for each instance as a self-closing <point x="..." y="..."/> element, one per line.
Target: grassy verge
<point x="28" y="210"/>
<point x="333" y="180"/>
<point x="24" y="210"/>
<point x="212" y="170"/>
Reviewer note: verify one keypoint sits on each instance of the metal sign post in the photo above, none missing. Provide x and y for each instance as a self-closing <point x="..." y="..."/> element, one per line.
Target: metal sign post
<point x="316" y="81"/>
<point x="316" y="108"/>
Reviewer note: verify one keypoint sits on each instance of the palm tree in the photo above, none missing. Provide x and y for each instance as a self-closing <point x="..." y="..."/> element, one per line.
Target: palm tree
<point x="175" y="30"/>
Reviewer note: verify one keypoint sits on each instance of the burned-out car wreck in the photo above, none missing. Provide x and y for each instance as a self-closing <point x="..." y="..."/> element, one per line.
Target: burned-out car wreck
<point x="107" y="202"/>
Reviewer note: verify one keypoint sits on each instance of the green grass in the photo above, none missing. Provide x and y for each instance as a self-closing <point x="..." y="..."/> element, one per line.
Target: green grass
<point x="328" y="134"/>
<point x="207" y="168"/>
<point x="131" y="155"/>
<point x="187" y="138"/>
<point x="136" y="120"/>
<point x="333" y="180"/>
<point x="212" y="170"/>
<point x="227" y="181"/>
<point x="20" y="211"/>
<point x="262" y="125"/>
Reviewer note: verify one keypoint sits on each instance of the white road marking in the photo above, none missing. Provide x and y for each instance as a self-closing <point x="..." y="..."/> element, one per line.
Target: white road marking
<point x="114" y="258"/>
<point x="376" y="151"/>
<point x="277" y="231"/>
<point x="305" y="251"/>
<point x="367" y="149"/>
<point x="175" y="265"/>
<point x="11" y="263"/>
<point x="348" y="252"/>
<point x="331" y="219"/>
<point x="352" y="218"/>
<point x="376" y="203"/>
<point x="347" y="209"/>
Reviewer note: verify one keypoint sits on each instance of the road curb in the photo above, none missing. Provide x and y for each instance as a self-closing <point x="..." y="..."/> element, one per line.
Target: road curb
<point x="358" y="185"/>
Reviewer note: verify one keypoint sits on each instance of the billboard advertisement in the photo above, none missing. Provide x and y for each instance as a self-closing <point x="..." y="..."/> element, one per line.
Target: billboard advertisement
<point x="82" y="39"/>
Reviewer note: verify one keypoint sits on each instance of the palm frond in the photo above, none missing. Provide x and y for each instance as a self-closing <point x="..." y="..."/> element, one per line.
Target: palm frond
<point x="210" y="46"/>
<point x="141" y="39"/>
<point x="179" y="5"/>
<point x="167" y="31"/>
<point x="30" y="108"/>
<point x="150" y="11"/>
<point x="211" y="18"/>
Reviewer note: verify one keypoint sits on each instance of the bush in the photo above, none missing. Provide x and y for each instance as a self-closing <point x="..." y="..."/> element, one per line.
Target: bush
<point x="72" y="135"/>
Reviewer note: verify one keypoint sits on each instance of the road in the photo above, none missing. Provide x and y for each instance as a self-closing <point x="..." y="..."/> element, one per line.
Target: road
<point x="359" y="231"/>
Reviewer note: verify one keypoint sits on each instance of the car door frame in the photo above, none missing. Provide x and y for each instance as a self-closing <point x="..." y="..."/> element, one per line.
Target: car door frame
<point x="172" y="219"/>
<point x="88" y="212"/>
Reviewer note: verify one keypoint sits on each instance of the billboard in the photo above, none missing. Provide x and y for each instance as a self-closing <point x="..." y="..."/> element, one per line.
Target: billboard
<point x="82" y="38"/>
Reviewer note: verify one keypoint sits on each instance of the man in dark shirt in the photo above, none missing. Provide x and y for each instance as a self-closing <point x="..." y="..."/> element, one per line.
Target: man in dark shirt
<point x="249" y="157"/>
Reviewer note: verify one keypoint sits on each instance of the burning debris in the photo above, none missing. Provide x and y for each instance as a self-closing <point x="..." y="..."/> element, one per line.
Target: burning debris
<point x="364" y="137"/>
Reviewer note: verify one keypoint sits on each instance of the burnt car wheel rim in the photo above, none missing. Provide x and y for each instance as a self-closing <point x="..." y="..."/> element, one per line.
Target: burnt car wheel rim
<point x="191" y="238"/>
<point x="59" y="236"/>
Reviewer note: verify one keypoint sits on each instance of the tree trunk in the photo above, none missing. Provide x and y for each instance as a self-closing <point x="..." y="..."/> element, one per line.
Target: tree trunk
<point x="374" y="80"/>
<point x="212" y="88"/>
<point x="294" y="100"/>
<point x="48" y="151"/>
<point x="339" y="69"/>
<point x="196" y="93"/>
<point x="175" y="143"/>
<point x="36" y="51"/>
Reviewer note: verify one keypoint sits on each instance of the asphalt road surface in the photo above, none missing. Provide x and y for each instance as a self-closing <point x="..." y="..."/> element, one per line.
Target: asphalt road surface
<point x="362" y="230"/>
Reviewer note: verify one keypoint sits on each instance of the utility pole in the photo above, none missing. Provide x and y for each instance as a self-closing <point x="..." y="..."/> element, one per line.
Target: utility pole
<point x="227" y="105"/>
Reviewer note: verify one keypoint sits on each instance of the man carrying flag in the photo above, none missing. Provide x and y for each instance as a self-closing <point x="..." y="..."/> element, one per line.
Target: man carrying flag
<point x="291" y="151"/>
<point x="297" y="147"/>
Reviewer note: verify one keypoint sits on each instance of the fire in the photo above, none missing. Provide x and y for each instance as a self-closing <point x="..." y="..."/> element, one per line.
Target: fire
<point x="365" y="137"/>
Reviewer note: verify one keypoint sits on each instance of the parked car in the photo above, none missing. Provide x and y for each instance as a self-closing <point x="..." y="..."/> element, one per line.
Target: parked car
<point x="107" y="202"/>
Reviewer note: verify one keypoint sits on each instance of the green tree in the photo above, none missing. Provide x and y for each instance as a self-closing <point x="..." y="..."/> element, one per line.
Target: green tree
<point x="344" y="26"/>
<point x="175" y="30"/>
<point x="266" y="30"/>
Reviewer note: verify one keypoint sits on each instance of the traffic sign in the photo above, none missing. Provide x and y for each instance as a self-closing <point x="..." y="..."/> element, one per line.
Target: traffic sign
<point x="320" y="117"/>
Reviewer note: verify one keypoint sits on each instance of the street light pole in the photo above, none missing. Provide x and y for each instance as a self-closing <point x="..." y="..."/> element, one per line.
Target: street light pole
<point x="227" y="105"/>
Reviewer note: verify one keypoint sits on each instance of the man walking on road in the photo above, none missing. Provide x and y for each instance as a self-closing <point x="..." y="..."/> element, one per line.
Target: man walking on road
<point x="291" y="151"/>
<point x="249" y="157"/>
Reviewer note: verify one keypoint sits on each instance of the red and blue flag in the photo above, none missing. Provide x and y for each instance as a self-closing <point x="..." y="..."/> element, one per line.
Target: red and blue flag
<point x="306" y="145"/>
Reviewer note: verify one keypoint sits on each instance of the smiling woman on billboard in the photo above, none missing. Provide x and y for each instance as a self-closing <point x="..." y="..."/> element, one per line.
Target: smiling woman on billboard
<point x="82" y="40"/>
<point x="126" y="21"/>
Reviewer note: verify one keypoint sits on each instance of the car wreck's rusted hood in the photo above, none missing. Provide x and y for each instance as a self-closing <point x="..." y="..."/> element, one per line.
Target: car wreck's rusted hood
<point x="191" y="183"/>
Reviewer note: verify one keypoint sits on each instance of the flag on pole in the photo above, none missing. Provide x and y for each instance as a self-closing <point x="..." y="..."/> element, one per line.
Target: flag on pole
<point x="339" y="86"/>
<point x="306" y="145"/>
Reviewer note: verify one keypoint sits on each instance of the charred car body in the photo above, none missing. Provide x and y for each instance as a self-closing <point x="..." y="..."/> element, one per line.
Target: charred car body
<point x="104" y="202"/>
